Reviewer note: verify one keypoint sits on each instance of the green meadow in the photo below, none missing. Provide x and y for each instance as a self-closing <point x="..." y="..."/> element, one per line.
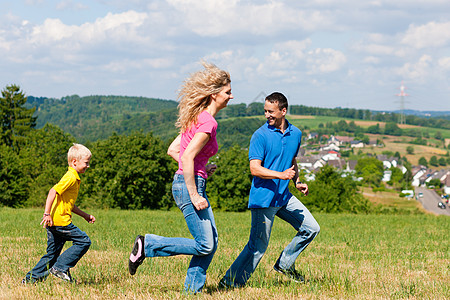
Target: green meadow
<point x="354" y="257"/>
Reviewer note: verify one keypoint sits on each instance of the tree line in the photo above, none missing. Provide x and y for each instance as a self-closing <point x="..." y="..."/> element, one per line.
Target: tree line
<point x="133" y="171"/>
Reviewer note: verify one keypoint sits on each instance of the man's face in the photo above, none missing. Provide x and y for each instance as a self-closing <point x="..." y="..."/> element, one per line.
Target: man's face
<point x="273" y="114"/>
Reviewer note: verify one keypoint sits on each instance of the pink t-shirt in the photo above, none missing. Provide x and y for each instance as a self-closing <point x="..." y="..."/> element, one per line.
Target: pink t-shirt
<point x="205" y="123"/>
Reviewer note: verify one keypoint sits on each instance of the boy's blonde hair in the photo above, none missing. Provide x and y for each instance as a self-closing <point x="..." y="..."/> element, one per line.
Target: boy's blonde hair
<point x="78" y="152"/>
<point x="195" y="94"/>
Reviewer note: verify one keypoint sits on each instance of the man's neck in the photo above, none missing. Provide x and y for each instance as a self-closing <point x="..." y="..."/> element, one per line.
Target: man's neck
<point x="283" y="125"/>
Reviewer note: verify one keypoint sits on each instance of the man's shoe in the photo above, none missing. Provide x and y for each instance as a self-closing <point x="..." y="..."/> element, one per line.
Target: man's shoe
<point x="224" y="285"/>
<point x="291" y="273"/>
<point x="62" y="275"/>
<point x="137" y="255"/>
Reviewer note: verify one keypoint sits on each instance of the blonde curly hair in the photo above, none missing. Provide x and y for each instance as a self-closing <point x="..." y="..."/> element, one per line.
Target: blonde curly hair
<point x="196" y="91"/>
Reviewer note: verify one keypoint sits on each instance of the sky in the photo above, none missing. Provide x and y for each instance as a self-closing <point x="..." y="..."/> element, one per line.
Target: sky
<point x="322" y="53"/>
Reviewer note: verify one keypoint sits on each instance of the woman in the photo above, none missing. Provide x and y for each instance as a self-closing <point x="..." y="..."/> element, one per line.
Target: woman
<point x="202" y="96"/>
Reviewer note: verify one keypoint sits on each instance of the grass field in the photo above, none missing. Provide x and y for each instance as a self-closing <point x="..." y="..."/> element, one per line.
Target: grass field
<point x="354" y="257"/>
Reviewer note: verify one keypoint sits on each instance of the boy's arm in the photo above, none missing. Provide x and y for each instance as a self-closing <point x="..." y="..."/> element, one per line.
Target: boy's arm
<point x="89" y="218"/>
<point x="47" y="218"/>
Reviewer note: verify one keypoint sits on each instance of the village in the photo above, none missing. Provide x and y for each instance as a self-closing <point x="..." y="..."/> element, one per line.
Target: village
<point x="329" y="152"/>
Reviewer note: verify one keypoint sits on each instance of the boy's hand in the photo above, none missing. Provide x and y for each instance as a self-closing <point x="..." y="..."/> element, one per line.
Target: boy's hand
<point x="90" y="219"/>
<point x="47" y="221"/>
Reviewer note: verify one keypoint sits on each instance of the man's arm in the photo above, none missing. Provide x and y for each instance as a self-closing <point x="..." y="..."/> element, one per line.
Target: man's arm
<point x="259" y="171"/>
<point x="302" y="187"/>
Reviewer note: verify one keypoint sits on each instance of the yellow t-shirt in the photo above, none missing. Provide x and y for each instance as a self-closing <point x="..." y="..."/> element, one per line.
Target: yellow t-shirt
<point x="67" y="192"/>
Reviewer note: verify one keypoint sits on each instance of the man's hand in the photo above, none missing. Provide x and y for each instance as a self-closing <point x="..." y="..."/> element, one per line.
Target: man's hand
<point x="199" y="202"/>
<point x="302" y="187"/>
<point x="288" y="174"/>
<point x="210" y="169"/>
<point x="47" y="221"/>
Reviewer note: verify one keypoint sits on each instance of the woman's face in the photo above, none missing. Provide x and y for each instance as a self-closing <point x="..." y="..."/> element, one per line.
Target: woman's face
<point x="223" y="96"/>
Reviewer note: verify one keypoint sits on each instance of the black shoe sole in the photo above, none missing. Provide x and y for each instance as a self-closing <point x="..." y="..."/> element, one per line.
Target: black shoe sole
<point x="132" y="266"/>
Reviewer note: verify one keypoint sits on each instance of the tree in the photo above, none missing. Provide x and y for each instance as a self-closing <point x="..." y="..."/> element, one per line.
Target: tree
<point x="16" y="120"/>
<point x="423" y="161"/>
<point x="434" y="161"/>
<point x="370" y="169"/>
<point x="410" y="150"/>
<point x="392" y="128"/>
<point x="13" y="182"/>
<point x="332" y="193"/>
<point x="229" y="187"/>
<point x="129" y="172"/>
<point x="43" y="159"/>
<point x="438" y="135"/>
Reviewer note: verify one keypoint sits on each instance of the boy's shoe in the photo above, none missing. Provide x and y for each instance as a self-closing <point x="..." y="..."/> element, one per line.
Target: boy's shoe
<point x="29" y="281"/>
<point x="62" y="275"/>
<point x="137" y="255"/>
<point x="291" y="273"/>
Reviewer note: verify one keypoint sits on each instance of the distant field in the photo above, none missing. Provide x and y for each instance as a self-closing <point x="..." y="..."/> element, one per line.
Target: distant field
<point x="354" y="257"/>
<point x="391" y="199"/>
<point x="314" y="121"/>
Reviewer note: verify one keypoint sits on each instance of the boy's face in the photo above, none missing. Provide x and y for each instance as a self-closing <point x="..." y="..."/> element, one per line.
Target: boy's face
<point x="81" y="165"/>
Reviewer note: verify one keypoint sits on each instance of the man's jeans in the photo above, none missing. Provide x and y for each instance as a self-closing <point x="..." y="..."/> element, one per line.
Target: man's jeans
<point x="202" y="226"/>
<point x="56" y="238"/>
<point x="296" y="214"/>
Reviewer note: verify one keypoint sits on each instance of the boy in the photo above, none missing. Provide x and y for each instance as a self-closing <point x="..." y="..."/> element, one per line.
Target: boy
<point x="57" y="220"/>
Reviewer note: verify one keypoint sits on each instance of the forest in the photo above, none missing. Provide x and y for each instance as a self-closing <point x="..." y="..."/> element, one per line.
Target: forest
<point x="130" y="169"/>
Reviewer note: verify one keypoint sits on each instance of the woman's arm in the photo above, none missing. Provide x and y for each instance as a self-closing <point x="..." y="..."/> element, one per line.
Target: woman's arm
<point x="187" y="160"/>
<point x="174" y="148"/>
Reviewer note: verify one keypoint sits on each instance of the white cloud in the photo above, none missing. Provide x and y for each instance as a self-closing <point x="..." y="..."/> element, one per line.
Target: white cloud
<point x="219" y="17"/>
<point x="325" y="61"/>
<point x="418" y="71"/>
<point x="118" y="27"/>
<point x="115" y="46"/>
<point x="444" y="63"/>
<point x="430" y="35"/>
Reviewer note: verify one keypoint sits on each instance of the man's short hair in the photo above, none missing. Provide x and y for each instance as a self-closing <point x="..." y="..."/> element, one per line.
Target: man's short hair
<point x="78" y="152"/>
<point x="278" y="97"/>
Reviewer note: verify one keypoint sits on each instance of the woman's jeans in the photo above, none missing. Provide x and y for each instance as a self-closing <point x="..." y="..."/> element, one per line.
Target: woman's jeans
<point x="56" y="238"/>
<point x="296" y="214"/>
<point x="202" y="226"/>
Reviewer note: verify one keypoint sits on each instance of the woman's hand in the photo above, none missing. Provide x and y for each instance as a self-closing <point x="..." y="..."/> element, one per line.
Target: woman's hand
<point x="210" y="169"/>
<point x="199" y="202"/>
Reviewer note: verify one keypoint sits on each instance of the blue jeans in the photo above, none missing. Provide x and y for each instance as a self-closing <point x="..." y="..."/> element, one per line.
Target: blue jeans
<point x="296" y="214"/>
<point x="57" y="236"/>
<point x="201" y="225"/>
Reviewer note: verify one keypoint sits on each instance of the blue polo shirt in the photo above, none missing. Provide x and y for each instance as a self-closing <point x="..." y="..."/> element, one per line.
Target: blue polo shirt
<point x="276" y="152"/>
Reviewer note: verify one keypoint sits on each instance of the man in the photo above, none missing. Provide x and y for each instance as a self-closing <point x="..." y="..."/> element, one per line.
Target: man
<point x="272" y="155"/>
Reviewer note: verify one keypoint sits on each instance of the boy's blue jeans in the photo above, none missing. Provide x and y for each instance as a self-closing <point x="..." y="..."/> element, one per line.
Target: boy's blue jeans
<point x="296" y="214"/>
<point x="201" y="225"/>
<point x="56" y="238"/>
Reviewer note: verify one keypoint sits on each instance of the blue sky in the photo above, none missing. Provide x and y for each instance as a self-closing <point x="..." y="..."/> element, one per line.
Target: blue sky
<point x="325" y="53"/>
